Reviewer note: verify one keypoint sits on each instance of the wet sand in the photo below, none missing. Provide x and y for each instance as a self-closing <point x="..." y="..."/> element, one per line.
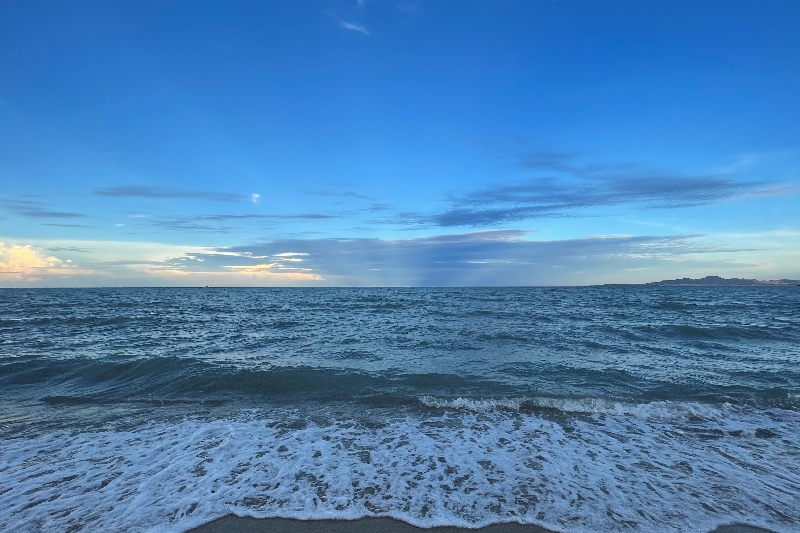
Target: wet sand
<point x="236" y="524"/>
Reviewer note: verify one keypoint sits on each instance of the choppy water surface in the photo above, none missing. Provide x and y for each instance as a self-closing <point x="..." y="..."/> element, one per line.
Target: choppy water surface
<point x="580" y="409"/>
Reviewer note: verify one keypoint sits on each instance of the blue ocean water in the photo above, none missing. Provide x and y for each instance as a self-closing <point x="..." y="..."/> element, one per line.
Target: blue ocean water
<point x="587" y="409"/>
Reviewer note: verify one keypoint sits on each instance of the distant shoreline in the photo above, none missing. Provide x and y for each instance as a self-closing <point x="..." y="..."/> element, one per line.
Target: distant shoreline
<point x="708" y="281"/>
<point x="712" y="281"/>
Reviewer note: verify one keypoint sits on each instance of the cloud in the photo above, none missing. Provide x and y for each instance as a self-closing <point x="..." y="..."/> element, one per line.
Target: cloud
<point x="347" y="194"/>
<point x="492" y="257"/>
<point x="255" y="198"/>
<point x="137" y="191"/>
<point x="69" y="262"/>
<point x="252" y="268"/>
<point x="223" y="267"/>
<point x="354" y="27"/>
<point x="565" y="162"/>
<point x="269" y="271"/>
<point x="297" y="216"/>
<point x="33" y="209"/>
<point x="68" y="249"/>
<point x="548" y="197"/>
<point x="225" y="223"/>
<point x="25" y="263"/>
<point x="561" y="185"/>
<point x="780" y="189"/>
<point x="408" y="7"/>
<point x="379" y="208"/>
<point x="495" y="257"/>
<point x="68" y="225"/>
<point x="404" y="219"/>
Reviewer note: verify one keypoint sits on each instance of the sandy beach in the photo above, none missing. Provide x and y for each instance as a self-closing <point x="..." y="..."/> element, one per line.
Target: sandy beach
<point x="237" y="524"/>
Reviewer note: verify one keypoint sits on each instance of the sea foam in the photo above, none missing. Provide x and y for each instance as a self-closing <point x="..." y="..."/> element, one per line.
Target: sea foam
<point x="596" y="472"/>
<point x="662" y="410"/>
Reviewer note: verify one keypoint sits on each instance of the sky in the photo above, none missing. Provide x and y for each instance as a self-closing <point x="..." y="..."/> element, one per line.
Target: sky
<point x="394" y="142"/>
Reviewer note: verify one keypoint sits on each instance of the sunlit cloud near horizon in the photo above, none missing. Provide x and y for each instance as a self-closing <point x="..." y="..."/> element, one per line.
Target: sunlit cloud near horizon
<point x="372" y="144"/>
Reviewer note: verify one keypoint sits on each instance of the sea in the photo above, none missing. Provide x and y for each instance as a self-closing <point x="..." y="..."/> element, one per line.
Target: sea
<point x="580" y="409"/>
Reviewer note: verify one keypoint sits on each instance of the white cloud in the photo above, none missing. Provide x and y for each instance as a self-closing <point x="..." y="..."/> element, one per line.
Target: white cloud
<point x="407" y="7"/>
<point x="119" y="263"/>
<point x="780" y="189"/>
<point x="251" y="268"/>
<point x="265" y="271"/>
<point x="476" y="258"/>
<point x="354" y="27"/>
<point x="26" y="263"/>
<point x="743" y="163"/>
<point x="255" y="198"/>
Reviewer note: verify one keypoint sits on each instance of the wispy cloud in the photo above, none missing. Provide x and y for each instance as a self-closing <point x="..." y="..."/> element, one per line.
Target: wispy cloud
<point x="68" y="249"/>
<point x="354" y="27"/>
<point x="84" y="226"/>
<point x="255" y="198"/>
<point x="379" y="208"/>
<point x="225" y="223"/>
<point x="564" y="162"/>
<point x="346" y="194"/>
<point x="780" y="189"/>
<point x="547" y="197"/>
<point x="297" y="216"/>
<point x="32" y="209"/>
<point x="408" y="7"/>
<point x="138" y="191"/>
<point x="561" y="185"/>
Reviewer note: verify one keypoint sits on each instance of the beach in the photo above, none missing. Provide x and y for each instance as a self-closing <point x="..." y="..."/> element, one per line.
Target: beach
<point x="236" y="524"/>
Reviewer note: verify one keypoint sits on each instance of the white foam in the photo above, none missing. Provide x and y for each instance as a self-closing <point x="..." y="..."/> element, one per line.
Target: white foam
<point x="600" y="472"/>
<point x="662" y="410"/>
<point x="477" y="406"/>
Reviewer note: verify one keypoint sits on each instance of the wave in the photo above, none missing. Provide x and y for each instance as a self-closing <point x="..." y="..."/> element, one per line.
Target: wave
<point x="606" y="473"/>
<point x="658" y="410"/>
<point x="168" y="379"/>
<point x="180" y="376"/>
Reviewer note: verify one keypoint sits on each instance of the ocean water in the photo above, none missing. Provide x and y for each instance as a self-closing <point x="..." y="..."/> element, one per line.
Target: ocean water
<point x="595" y="409"/>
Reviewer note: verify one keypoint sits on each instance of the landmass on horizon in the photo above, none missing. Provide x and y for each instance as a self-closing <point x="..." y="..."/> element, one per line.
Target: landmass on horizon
<point x="712" y="281"/>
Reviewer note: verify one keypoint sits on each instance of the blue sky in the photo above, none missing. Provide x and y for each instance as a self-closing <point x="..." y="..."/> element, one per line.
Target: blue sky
<point x="398" y="142"/>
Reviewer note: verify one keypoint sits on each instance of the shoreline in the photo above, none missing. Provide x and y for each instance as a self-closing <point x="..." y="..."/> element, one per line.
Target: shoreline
<point x="239" y="524"/>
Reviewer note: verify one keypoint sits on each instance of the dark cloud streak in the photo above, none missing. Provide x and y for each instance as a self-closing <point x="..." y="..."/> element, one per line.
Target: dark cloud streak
<point x="216" y="223"/>
<point x="348" y="194"/>
<point x="137" y="191"/>
<point x="32" y="209"/>
<point x="68" y="249"/>
<point x="84" y="226"/>
<point x="561" y="186"/>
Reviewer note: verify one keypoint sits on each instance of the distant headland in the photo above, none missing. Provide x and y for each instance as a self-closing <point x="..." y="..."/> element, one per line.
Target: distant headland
<point x="713" y="281"/>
